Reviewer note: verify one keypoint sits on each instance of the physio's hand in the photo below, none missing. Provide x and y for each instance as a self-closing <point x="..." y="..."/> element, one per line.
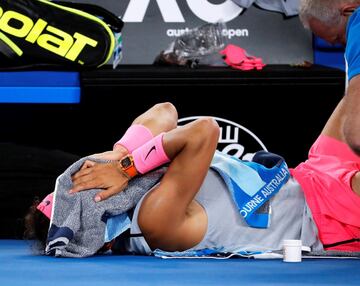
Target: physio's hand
<point x="106" y="176"/>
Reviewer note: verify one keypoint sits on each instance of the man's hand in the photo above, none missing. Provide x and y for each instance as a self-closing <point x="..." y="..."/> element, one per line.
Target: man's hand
<point x="107" y="176"/>
<point x="115" y="155"/>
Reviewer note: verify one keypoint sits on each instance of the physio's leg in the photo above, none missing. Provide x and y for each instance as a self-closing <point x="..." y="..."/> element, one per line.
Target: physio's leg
<point x="168" y="217"/>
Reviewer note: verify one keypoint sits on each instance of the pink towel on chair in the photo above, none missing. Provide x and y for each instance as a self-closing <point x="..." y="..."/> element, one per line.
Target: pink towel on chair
<point x="238" y="58"/>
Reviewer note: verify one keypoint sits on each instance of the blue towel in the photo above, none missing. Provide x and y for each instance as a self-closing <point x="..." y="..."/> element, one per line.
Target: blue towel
<point x="252" y="184"/>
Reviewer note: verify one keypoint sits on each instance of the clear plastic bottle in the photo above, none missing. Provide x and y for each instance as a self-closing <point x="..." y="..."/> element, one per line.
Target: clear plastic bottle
<point x="200" y="41"/>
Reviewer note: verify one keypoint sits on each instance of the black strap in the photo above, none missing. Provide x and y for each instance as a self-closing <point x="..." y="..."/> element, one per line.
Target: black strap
<point x="115" y="23"/>
<point x="127" y="234"/>
<point x="341" y="242"/>
<point x="136" y="235"/>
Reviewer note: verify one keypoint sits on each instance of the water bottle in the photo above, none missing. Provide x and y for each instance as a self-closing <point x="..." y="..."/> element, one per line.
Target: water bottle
<point x="200" y="41"/>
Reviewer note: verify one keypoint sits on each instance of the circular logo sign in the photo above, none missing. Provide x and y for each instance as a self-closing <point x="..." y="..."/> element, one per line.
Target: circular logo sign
<point x="234" y="139"/>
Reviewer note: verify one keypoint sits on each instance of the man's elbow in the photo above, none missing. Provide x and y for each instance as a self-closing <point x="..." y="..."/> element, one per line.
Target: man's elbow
<point x="209" y="128"/>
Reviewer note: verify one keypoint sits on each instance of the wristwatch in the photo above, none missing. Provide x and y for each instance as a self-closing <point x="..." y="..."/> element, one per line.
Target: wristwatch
<point x="127" y="165"/>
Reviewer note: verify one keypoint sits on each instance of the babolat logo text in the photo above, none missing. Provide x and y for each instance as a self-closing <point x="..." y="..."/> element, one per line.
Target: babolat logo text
<point x="234" y="139"/>
<point x="47" y="37"/>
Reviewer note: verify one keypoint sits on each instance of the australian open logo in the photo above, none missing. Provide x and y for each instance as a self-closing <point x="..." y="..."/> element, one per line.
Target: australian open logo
<point x="172" y="11"/>
<point x="234" y="138"/>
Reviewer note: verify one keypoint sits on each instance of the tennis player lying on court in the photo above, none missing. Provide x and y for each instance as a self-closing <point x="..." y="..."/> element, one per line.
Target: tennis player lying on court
<point x="207" y="200"/>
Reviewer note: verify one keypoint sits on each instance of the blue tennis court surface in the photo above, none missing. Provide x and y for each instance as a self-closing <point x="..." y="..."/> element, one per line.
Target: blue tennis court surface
<point x="18" y="266"/>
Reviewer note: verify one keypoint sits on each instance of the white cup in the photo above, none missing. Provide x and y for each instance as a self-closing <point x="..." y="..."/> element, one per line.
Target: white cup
<point x="292" y="250"/>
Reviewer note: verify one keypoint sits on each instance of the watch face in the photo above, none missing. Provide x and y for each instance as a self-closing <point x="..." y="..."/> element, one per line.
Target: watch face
<point x="126" y="162"/>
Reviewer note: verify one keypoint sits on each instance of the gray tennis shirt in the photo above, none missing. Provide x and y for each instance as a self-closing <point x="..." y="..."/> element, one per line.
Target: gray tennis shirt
<point x="290" y="219"/>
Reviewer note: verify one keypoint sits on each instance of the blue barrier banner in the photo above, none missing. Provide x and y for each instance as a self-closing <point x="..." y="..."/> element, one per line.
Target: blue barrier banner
<point x="51" y="87"/>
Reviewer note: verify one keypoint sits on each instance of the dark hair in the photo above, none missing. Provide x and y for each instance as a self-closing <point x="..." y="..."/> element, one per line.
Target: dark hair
<point x="36" y="226"/>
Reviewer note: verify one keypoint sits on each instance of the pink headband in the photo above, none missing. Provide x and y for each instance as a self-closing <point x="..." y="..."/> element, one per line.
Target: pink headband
<point x="46" y="205"/>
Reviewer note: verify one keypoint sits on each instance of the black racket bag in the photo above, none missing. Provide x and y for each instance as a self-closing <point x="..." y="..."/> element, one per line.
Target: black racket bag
<point x="59" y="34"/>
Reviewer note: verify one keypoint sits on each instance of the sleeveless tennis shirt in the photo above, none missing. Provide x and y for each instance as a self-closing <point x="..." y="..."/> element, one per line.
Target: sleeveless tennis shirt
<point x="290" y="219"/>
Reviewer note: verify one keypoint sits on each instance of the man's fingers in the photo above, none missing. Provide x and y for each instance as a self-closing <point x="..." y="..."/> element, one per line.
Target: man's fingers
<point x="82" y="185"/>
<point x="87" y="164"/>
<point x="83" y="172"/>
<point x="103" y="195"/>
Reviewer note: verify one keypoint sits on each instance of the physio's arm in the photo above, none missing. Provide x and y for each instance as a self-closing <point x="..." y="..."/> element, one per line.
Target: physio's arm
<point x="351" y="128"/>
